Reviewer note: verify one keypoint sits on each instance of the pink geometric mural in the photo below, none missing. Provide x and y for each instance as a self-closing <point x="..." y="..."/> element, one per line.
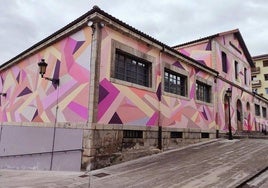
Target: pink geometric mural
<point x="33" y="99"/>
<point x="122" y="104"/>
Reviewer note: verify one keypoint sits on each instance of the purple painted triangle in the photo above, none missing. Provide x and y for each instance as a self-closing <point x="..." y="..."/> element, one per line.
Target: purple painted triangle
<point x="115" y="119"/>
<point x="102" y="93"/>
<point x="2" y="79"/>
<point x="35" y="114"/>
<point x="209" y="45"/>
<point x="201" y="62"/>
<point x="204" y="114"/>
<point x="78" y="45"/>
<point x="18" y="78"/>
<point x="158" y="92"/>
<point x="196" y="70"/>
<point x="178" y="64"/>
<point x="25" y="92"/>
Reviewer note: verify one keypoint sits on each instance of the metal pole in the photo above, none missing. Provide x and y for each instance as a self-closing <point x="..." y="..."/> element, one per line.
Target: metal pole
<point x="160" y="137"/>
<point x="230" y="127"/>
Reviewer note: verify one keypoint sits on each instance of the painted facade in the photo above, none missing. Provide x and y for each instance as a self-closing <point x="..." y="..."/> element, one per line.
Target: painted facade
<point x="237" y="77"/>
<point x="149" y="106"/>
<point x="29" y="98"/>
<point x="91" y="98"/>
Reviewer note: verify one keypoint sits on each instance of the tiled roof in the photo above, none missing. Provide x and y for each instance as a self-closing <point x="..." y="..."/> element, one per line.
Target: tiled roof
<point x="260" y="57"/>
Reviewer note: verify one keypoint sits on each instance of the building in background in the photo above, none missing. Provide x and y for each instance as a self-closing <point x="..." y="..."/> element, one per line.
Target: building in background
<point x="227" y="53"/>
<point x="120" y="90"/>
<point x="260" y="75"/>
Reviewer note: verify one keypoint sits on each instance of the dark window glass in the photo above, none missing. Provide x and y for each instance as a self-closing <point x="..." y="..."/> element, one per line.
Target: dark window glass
<point x="224" y="62"/>
<point x="236" y="69"/>
<point x="132" y="69"/>
<point x="175" y="83"/>
<point x="265" y="63"/>
<point x="266" y="76"/>
<point x="264" y="112"/>
<point x="257" y="110"/>
<point x="245" y="76"/>
<point x="132" y="134"/>
<point x="203" y="92"/>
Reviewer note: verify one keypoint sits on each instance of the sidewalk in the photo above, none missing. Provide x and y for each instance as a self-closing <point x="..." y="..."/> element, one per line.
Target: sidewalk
<point x="220" y="163"/>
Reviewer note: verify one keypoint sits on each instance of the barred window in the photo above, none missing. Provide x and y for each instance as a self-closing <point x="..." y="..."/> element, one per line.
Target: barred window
<point x="203" y="92"/>
<point x="132" y="69"/>
<point x="175" y="83"/>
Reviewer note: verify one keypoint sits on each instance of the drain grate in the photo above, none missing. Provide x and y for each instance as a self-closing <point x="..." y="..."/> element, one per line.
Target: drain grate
<point x="101" y="175"/>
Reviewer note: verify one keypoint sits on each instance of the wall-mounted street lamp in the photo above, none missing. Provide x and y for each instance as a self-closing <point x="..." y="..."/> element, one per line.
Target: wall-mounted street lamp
<point x="3" y="94"/>
<point x="229" y="95"/>
<point x="42" y="70"/>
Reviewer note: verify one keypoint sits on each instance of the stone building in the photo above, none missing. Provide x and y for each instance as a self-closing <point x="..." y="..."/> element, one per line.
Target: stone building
<point x="110" y="89"/>
<point x="260" y="75"/>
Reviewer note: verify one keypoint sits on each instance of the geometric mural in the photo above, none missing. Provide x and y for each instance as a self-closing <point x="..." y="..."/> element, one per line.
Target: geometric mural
<point x="33" y="99"/>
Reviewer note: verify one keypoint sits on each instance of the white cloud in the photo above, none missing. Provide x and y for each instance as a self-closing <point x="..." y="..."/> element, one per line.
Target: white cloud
<point x="26" y="22"/>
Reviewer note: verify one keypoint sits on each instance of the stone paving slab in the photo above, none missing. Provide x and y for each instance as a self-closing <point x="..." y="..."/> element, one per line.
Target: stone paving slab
<point x="216" y="163"/>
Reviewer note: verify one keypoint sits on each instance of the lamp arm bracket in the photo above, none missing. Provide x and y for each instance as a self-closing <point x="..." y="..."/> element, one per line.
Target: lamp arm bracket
<point x="53" y="80"/>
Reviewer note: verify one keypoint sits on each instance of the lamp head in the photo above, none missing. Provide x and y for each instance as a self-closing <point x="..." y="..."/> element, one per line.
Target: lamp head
<point x="42" y="67"/>
<point x="229" y="92"/>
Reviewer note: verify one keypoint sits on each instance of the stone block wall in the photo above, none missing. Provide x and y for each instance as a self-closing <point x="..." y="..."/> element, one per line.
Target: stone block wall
<point x="112" y="144"/>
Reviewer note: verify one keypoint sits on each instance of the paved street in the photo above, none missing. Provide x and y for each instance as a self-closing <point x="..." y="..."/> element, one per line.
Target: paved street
<point x="221" y="163"/>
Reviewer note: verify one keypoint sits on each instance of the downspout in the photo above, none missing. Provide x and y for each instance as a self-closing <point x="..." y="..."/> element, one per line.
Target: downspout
<point x="159" y="93"/>
<point x="216" y="104"/>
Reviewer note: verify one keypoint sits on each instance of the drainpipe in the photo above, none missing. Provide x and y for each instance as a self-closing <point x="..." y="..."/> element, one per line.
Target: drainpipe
<point x="160" y="138"/>
<point x="216" y="104"/>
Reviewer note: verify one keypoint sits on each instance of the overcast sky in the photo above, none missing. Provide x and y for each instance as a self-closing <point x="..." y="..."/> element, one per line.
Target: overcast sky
<point x="26" y="22"/>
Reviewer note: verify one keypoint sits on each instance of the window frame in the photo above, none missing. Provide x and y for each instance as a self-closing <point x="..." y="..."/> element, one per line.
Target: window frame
<point x="245" y="76"/>
<point x="182" y="87"/>
<point x="264" y="111"/>
<point x="178" y="71"/>
<point x="236" y="69"/>
<point x="116" y="45"/>
<point x="224" y="62"/>
<point x="257" y="109"/>
<point x="265" y="63"/>
<point x="205" y="85"/>
<point x="265" y="77"/>
<point x="132" y="69"/>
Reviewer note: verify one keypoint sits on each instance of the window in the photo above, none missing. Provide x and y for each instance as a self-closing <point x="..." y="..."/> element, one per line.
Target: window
<point x="245" y="76"/>
<point x="224" y="61"/>
<point x="265" y="63"/>
<point x="203" y="92"/>
<point x="264" y="112"/>
<point x="132" y="69"/>
<point x="266" y="90"/>
<point x="175" y="83"/>
<point x="236" y="69"/>
<point x="175" y="134"/>
<point x="132" y="134"/>
<point x="265" y="76"/>
<point x="257" y="110"/>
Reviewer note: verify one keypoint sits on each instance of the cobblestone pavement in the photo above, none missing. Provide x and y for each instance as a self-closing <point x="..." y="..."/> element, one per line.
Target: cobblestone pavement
<point x="221" y="163"/>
